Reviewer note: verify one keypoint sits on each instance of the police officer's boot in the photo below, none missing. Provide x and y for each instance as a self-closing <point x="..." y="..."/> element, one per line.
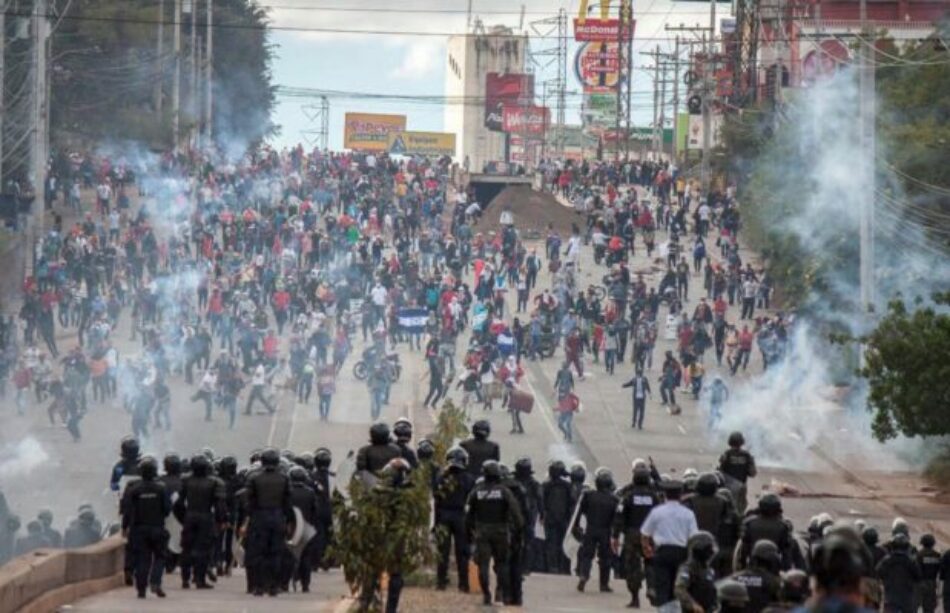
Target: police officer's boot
<point x="157" y="590"/>
<point x="605" y="579"/>
<point x="581" y="584"/>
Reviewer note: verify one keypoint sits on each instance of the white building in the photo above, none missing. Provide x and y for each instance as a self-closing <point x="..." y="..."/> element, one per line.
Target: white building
<point x="470" y="58"/>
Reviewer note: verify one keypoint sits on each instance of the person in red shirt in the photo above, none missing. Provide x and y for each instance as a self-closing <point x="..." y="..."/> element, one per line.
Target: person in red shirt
<point x="746" y="337"/>
<point x="269" y="348"/>
<point x="573" y="348"/>
<point x="597" y="340"/>
<point x="281" y="302"/>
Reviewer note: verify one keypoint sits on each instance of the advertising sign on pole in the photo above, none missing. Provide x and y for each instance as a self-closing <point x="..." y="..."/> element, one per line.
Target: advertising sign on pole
<point x="601" y="30"/>
<point x="370" y="131"/>
<point x="597" y="67"/>
<point x="505" y="89"/>
<point x="525" y="119"/>
<point x="432" y="144"/>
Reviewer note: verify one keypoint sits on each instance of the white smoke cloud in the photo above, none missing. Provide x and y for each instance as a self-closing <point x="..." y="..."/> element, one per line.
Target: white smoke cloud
<point x="21" y="458"/>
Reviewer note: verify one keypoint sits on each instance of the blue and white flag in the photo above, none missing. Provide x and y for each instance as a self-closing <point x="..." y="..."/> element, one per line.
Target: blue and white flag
<point x="413" y="319"/>
<point x="506" y="344"/>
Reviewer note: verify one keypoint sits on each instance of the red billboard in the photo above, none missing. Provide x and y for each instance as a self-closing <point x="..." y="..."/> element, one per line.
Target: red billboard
<point x="525" y="119"/>
<point x="601" y="30"/>
<point x="505" y="89"/>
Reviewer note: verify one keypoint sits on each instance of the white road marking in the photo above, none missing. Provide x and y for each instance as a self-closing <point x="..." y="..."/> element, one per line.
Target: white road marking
<point x="681" y="429"/>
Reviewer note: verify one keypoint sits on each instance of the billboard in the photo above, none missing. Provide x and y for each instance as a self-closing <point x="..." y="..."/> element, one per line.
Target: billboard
<point x="525" y="119"/>
<point x="370" y="131"/>
<point x="600" y="108"/>
<point x="601" y="30"/>
<point x="597" y="67"/>
<point x="505" y="89"/>
<point x="433" y="144"/>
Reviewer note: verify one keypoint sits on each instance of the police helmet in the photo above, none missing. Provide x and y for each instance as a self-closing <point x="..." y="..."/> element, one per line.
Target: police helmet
<point x="770" y="504"/>
<point x="578" y="472"/>
<point x="672" y="487"/>
<point x="870" y="536"/>
<point x="208" y="452"/>
<point x="900" y="526"/>
<point x="200" y="465"/>
<point x="523" y="467"/>
<point x="603" y="479"/>
<point x="425" y="450"/>
<point x="227" y="467"/>
<point x="736" y="439"/>
<point x="707" y="484"/>
<point x="732" y="593"/>
<point x="481" y="429"/>
<point x="491" y="470"/>
<point x="322" y="458"/>
<point x="255" y="456"/>
<point x="556" y="469"/>
<point x="838" y="563"/>
<point x="129" y="448"/>
<point x="702" y="546"/>
<point x="765" y="555"/>
<point x="928" y="541"/>
<point x="641" y="476"/>
<point x="305" y="460"/>
<point x="504" y="471"/>
<point x="402" y="429"/>
<point x="270" y="458"/>
<point x="796" y="586"/>
<point x="900" y="542"/>
<point x="639" y="463"/>
<point x="172" y="463"/>
<point x="379" y="433"/>
<point x="298" y="474"/>
<point x="457" y="457"/>
<point x="45" y="516"/>
<point x="148" y="468"/>
<point x="86" y="514"/>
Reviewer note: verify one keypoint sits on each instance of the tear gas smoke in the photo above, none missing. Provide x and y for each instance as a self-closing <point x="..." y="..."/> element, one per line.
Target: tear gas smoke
<point x="20" y="458"/>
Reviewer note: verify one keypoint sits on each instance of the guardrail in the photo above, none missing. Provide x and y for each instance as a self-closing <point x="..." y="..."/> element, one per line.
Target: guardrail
<point x="45" y="579"/>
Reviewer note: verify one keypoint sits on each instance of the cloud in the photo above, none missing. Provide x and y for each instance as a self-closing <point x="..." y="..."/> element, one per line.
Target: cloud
<point x="422" y="59"/>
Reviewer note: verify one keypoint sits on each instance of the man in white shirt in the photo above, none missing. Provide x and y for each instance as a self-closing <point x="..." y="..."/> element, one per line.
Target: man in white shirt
<point x="378" y="295"/>
<point x="664" y="534"/>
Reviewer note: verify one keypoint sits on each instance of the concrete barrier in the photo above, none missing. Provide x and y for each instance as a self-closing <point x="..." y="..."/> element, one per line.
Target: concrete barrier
<point x="46" y="579"/>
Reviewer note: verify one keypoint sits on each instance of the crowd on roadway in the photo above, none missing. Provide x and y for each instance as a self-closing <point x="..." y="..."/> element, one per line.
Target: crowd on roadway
<point x="257" y="280"/>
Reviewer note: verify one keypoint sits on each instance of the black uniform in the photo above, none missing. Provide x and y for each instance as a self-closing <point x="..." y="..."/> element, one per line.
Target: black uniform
<point x="519" y="545"/>
<point x="304" y="498"/>
<point x="375" y="457"/>
<point x="598" y="508"/>
<point x="929" y="562"/>
<point x="452" y="488"/>
<point x="738" y="464"/>
<point x="757" y="527"/>
<point x="900" y="574"/>
<point x="173" y="485"/>
<point x="145" y="505"/>
<point x="532" y="488"/>
<point x="199" y="508"/>
<point x="556" y="497"/>
<point x="763" y="588"/>
<point x="636" y="502"/>
<point x="945" y="579"/>
<point x="492" y="514"/>
<point x="408" y="454"/>
<point x="479" y="450"/>
<point x="125" y="471"/>
<point x="716" y="516"/>
<point x="269" y="508"/>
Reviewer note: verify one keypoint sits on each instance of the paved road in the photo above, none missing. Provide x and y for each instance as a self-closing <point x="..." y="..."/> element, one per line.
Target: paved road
<point x="52" y="471"/>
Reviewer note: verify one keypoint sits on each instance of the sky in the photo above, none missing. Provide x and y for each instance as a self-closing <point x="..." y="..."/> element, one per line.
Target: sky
<point x="397" y="58"/>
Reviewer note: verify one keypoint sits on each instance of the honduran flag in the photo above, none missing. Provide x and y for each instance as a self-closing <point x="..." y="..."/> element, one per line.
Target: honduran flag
<point x="413" y="319"/>
<point x="506" y="344"/>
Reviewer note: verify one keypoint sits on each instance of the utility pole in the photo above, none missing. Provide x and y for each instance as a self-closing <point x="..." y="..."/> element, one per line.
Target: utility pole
<point x="3" y="68"/>
<point x="209" y="72"/>
<point x="159" y="60"/>
<point x="40" y="127"/>
<point x="867" y="113"/>
<point x="193" y="77"/>
<point x="176" y="81"/>
<point x="676" y="95"/>
<point x="707" y="116"/>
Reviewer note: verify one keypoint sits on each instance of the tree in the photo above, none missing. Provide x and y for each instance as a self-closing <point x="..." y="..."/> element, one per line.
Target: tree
<point x="908" y="372"/>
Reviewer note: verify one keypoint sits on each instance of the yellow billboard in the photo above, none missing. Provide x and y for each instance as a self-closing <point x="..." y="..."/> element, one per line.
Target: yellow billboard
<point x="370" y="131"/>
<point x="434" y="144"/>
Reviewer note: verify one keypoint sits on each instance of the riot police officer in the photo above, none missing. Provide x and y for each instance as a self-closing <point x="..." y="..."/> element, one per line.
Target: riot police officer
<point x="269" y="509"/>
<point x="322" y="479"/>
<point x="598" y="509"/>
<point x="228" y="473"/>
<point x="766" y="523"/>
<point x="928" y="559"/>
<point x="125" y="471"/>
<point x="322" y="460"/>
<point x="738" y="466"/>
<point x="636" y="501"/>
<point x="558" y="510"/>
<point x="900" y="575"/>
<point x="695" y="586"/>
<point x="451" y="492"/>
<point x="492" y="514"/>
<point x="479" y="448"/>
<point x="375" y="456"/>
<point x="199" y="508"/>
<point x="713" y="514"/>
<point x="145" y="505"/>
<point x="172" y="466"/>
<point x="578" y="478"/>
<point x="519" y="543"/>
<point x="304" y="499"/>
<point x="402" y="430"/>
<point x="524" y="474"/>
<point x="761" y="578"/>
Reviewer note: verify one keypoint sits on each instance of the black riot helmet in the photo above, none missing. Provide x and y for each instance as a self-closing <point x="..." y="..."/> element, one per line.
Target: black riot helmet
<point x="578" y="473"/>
<point x="305" y="460"/>
<point x="322" y="458"/>
<point x="770" y="505"/>
<point x="270" y="458"/>
<point x="702" y="547"/>
<point x="870" y="536"/>
<point x="200" y="465"/>
<point x="796" y="586"/>
<point x="732" y="595"/>
<point x="298" y="474"/>
<point x="707" y="484"/>
<point x="457" y="457"/>
<point x="148" y="468"/>
<point x="765" y="555"/>
<point x="838" y="563"/>
<point x="481" y="429"/>
<point x="491" y="470"/>
<point x="603" y="480"/>
<point x="736" y="440"/>
<point x="556" y="469"/>
<point x="641" y="476"/>
<point x="523" y="468"/>
<point x="900" y="542"/>
<point x="425" y="450"/>
<point x="228" y="466"/>
<point x="129" y="448"/>
<point x="504" y="471"/>
<point x="172" y="463"/>
<point x="208" y="452"/>
<point x="927" y="541"/>
<point x="379" y="434"/>
<point x="402" y="429"/>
